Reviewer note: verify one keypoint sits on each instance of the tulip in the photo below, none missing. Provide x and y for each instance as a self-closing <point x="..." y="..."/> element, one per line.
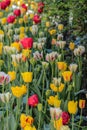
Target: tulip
<point x="26" y="120"/>
<point x="5" y="97"/>
<point x="65" y="118"/>
<point x="36" y="19"/>
<point x="27" y="77"/>
<point x="17" y="12"/>
<point x="33" y="100"/>
<point x="38" y="56"/>
<point x="4" y="78"/>
<point x="19" y="91"/>
<point x="72" y="46"/>
<point x="12" y="75"/>
<point x="55" y="113"/>
<point x="67" y="76"/>
<point x="73" y="67"/>
<point x="60" y="27"/>
<point x="27" y="43"/>
<point x="79" y="51"/>
<point x="62" y="66"/>
<point x="29" y="128"/>
<point x="82" y="104"/>
<point x="11" y="19"/>
<point x="72" y="107"/>
<point x="60" y="44"/>
<point x="17" y="46"/>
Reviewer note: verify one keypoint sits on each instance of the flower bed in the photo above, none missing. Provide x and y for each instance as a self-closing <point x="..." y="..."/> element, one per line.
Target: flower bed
<point x="40" y="73"/>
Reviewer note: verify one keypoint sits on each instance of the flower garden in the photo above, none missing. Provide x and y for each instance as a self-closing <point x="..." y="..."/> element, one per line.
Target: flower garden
<point x="43" y="73"/>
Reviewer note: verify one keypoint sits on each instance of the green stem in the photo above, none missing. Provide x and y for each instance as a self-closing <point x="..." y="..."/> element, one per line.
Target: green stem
<point x="18" y="109"/>
<point x="39" y="120"/>
<point x="27" y="99"/>
<point x="52" y="71"/>
<point x="43" y="85"/>
<point x="74" y="81"/>
<point x="62" y="54"/>
<point x="7" y="115"/>
<point x="72" y="122"/>
<point x="80" y="118"/>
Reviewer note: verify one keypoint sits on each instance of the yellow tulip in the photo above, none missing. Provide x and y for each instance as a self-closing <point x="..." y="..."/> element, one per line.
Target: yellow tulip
<point x="1" y="32"/>
<point x="52" y="32"/>
<point x="31" y="16"/>
<point x="22" y="35"/>
<point x="29" y="128"/>
<point x="54" y="101"/>
<point x="51" y="100"/>
<point x="60" y="27"/>
<point x="17" y="46"/>
<point x="53" y="87"/>
<point x="47" y="24"/>
<point x="12" y="75"/>
<point x="57" y="102"/>
<point x="67" y="76"/>
<point x="26" y="120"/>
<point x="72" y="46"/>
<point x="27" y="77"/>
<point x="72" y="107"/>
<point x="61" y="87"/>
<point x="19" y="91"/>
<point x="62" y="66"/>
<point x="22" y="29"/>
<point x="58" y="123"/>
<point x="3" y="21"/>
<point x="21" y="20"/>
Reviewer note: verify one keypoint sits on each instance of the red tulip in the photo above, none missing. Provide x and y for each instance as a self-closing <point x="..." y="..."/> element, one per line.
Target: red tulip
<point x="17" y="12"/>
<point x="24" y="6"/>
<point x="27" y="43"/>
<point x="40" y="10"/>
<point x="36" y="19"/>
<point x="41" y="4"/>
<point x="8" y="2"/>
<point x="33" y="100"/>
<point x="11" y="19"/>
<point x="65" y="118"/>
<point x="3" y="5"/>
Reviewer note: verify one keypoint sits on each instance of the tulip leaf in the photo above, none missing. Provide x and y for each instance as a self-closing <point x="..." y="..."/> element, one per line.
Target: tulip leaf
<point x="78" y="81"/>
<point x="85" y="128"/>
<point x="66" y="105"/>
<point x="12" y="122"/>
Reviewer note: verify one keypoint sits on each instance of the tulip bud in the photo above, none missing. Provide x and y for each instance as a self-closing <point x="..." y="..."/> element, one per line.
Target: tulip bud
<point x="48" y="92"/>
<point x="45" y="65"/>
<point x="39" y="106"/>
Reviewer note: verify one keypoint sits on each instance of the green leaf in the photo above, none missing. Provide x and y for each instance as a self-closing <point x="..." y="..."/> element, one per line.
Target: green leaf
<point x="12" y="123"/>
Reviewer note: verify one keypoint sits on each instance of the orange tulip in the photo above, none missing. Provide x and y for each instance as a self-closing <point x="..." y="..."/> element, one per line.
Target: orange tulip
<point x="82" y="104"/>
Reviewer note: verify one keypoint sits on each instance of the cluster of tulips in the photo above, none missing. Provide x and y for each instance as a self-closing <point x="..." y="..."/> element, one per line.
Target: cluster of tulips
<point x="37" y="85"/>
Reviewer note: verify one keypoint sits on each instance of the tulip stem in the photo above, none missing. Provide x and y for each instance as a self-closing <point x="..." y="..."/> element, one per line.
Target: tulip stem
<point x="39" y="120"/>
<point x="80" y="118"/>
<point x="72" y="122"/>
<point x="43" y="84"/>
<point x="7" y="115"/>
<point x="27" y="99"/>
